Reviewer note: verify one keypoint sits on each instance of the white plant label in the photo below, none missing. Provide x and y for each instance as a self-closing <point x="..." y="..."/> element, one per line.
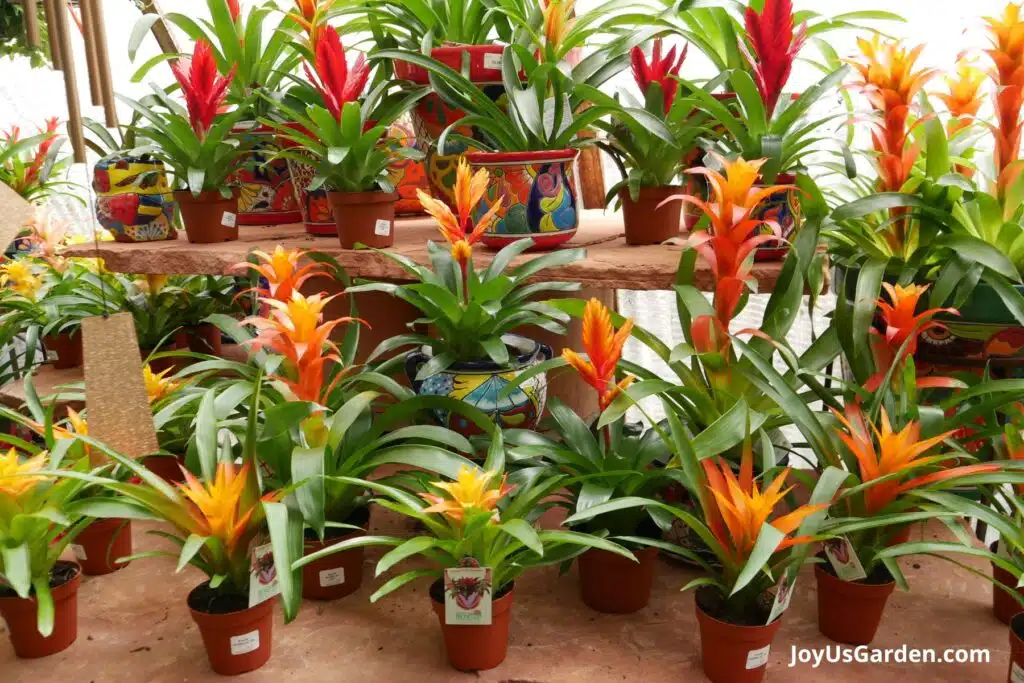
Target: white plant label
<point x="758" y="658"/>
<point x="844" y="560"/>
<point x="492" y="61"/>
<point x="332" y="577"/>
<point x="263" y="583"/>
<point x="1016" y="673"/>
<point x="229" y="220"/>
<point x="783" y="596"/>
<point x="382" y="228"/>
<point x="245" y="643"/>
<point x="467" y="596"/>
<point x="79" y="551"/>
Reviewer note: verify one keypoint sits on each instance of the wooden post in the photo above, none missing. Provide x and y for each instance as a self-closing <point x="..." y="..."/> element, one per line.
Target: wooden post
<point x="50" y="8"/>
<point x="59" y="26"/>
<point x="99" y="31"/>
<point x="591" y="178"/>
<point x="89" y="38"/>
<point x="163" y="37"/>
<point x="31" y="8"/>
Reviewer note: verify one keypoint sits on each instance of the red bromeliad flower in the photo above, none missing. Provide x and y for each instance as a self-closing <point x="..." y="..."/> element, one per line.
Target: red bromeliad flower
<point x="234" y="9"/>
<point x="776" y="46"/>
<point x="202" y="85"/>
<point x="1007" y="53"/>
<point x="603" y="346"/>
<point x="660" y="70"/>
<point x="337" y="83"/>
<point x="901" y="322"/>
<point x="39" y="159"/>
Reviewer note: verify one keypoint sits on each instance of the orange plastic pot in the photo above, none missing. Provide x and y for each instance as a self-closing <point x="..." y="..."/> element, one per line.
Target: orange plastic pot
<point x="210" y="217"/>
<point x="614" y="584"/>
<point x="205" y="338"/>
<point x="849" y="611"/>
<point x="167" y="467"/>
<point x="101" y="543"/>
<point x="236" y="642"/>
<point x="1004" y="606"/>
<point x="21" y="617"/>
<point x="68" y="348"/>
<point x="731" y="653"/>
<point x="340" y="574"/>
<point x="645" y="220"/>
<point x="1016" y="672"/>
<point x="475" y="648"/>
<point x="366" y="218"/>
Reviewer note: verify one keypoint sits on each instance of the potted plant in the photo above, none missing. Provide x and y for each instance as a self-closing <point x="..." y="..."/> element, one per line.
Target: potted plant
<point x="480" y="539"/>
<point x="205" y="296"/>
<point x="474" y="313"/>
<point x="345" y="141"/>
<point x="33" y="166"/>
<point x="261" y="63"/>
<point x="197" y="145"/>
<point x="154" y="302"/>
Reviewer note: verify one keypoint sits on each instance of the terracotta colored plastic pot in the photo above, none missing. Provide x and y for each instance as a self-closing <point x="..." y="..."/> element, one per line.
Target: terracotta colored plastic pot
<point x="236" y="642"/>
<point x="1016" y="672"/>
<point x="208" y="218"/>
<point x="205" y="338"/>
<point x="1003" y="604"/>
<point x="732" y="653"/>
<point x="340" y="574"/>
<point x="68" y="348"/>
<point x="475" y="648"/>
<point x="614" y="584"/>
<point x="21" y="617"/>
<point x="901" y="536"/>
<point x="645" y="223"/>
<point x="99" y="545"/>
<point x="850" y="612"/>
<point x="364" y="218"/>
<point x="167" y="467"/>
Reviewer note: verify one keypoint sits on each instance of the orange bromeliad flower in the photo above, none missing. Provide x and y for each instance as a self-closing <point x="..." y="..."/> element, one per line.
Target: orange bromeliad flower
<point x="312" y="17"/>
<point x="282" y="272"/>
<point x="603" y="346"/>
<point x="459" y="229"/>
<point x="902" y="323"/>
<point x="1007" y="54"/>
<point x="16" y="478"/>
<point x="738" y="509"/>
<point x="963" y="100"/>
<point x="158" y="385"/>
<point x="557" y="20"/>
<point x="220" y="508"/>
<point x="472" y="490"/>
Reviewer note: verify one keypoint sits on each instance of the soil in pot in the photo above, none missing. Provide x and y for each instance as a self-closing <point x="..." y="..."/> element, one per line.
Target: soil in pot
<point x="645" y="220"/>
<point x="733" y="652"/>
<point x="850" y="611"/>
<point x="237" y="637"/>
<point x="613" y="584"/>
<point x="366" y="218"/>
<point x="475" y="648"/>
<point x="99" y="545"/>
<point x="21" y="614"/>
<point x="210" y="217"/>
<point x="340" y="574"/>
<point x="67" y="347"/>
<point x="205" y="338"/>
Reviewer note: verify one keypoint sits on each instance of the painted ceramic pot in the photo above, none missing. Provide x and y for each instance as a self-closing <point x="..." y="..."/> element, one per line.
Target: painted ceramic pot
<point x="783" y="208"/>
<point x="266" y="193"/>
<point x="314" y="206"/>
<point x="133" y="198"/>
<point x="407" y="175"/>
<point x="538" y="194"/>
<point x="479" y="383"/>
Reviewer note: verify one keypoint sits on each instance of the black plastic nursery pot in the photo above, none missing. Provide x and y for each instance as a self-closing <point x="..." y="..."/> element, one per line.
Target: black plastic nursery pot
<point x="732" y="653"/>
<point x="475" y="648"/>
<point x="340" y="574"/>
<point x="21" y="614"/>
<point x="237" y="637"/>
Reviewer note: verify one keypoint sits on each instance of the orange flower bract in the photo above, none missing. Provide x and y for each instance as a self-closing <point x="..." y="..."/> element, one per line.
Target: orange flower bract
<point x="470" y="491"/>
<point x="603" y="346"/>
<point x="282" y="272"/>
<point x="457" y="227"/>
<point x="219" y="508"/>
<point x="1007" y="54"/>
<point x="16" y="478"/>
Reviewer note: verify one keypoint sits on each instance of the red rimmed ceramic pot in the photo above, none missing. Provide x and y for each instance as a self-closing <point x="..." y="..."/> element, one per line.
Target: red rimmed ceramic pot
<point x="22" y="621"/>
<point x="266" y="195"/>
<point x="475" y="648"/>
<point x="314" y="207"/>
<point x="850" y="611"/>
<point x="210" y="217"/>
<point x="98" y="546"/>
<point x="731" y="653"/>
<point x="237" y="637"/>
<point x="538" y="195"/>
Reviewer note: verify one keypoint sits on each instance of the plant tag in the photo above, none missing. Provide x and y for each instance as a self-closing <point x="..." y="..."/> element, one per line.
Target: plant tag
<point x="783" y="596"/>
<point x="332" y="577"/>
<point x="759" y="657"/>
<point x="1016" y="673"/>
<point x="79" y="551"/>
<point x="263" y="583"/>
<point x="245" y="643"/>
<point x="467" y="595"/>
<point x="229" y="220"/>
<point x="844" y="560"/>
<point x="382" y="228"/>
<point x="492" y="61"/>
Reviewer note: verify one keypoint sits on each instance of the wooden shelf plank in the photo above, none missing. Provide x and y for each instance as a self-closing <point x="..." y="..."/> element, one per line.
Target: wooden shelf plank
<point x="610" y="262"/>
<point x="47" y="381"/>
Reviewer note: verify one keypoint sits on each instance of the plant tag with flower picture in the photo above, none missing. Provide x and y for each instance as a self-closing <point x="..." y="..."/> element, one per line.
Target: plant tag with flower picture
<point x="1016" y="673"/>
<point x="229" y="220"/>
<point x="263" y="583"/>
<point x="382" y="228"/>
<point x="783" y="596"/>
<point x="844" y="560"/>
<point x="467" y="594"/>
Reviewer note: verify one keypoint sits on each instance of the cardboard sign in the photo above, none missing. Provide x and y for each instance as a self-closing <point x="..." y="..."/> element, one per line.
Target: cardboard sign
<point x="467" y="596"/>
<point x="263" y="582"/>
<point x="844" y="560"/>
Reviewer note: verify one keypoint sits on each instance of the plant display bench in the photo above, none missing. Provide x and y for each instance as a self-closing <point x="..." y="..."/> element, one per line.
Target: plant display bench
<point x="610" y="265"/>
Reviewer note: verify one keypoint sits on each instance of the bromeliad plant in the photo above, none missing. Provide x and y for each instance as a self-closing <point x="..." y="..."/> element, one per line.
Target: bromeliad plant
<point x="32" y="166"/>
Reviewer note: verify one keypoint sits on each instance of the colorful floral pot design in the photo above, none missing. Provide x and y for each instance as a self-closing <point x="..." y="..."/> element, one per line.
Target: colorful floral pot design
<point x="783" y="208"/>
<point x="538" y="195"/>
<point x="407" y="175"/>
<point x="133" y="198"/>
<point x="266" y="193"/>
<point x="314" y="206"/>
<point x="479" y="383"/>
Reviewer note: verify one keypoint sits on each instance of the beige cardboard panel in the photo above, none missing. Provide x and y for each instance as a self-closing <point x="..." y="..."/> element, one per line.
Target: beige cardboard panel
<point x="14" y="211"/>
<point x="115" y="394"/>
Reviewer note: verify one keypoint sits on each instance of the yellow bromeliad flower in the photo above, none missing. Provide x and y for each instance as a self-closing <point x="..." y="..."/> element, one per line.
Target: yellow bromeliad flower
<point x="459" y="230"/>
<point x="219" y="509"/>
<point x="472" y="490"/>
<point x="603" y="346"/>
<point x="20" y="277"/>
<point x="16" y="476"/>
<point x="158" y="385"/>
<point x="962" y="98"/>
<point x="888" y="72"/>
<point x="557" y="20"/>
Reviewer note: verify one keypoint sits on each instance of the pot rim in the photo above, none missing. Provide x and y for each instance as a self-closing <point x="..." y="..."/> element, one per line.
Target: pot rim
<point x="537" y="156"/>
<point x="517" y="342"/>
<point x="265" y="605"/>
<point x="364" y="197"/>
<point x="740" y="628"/>
<point x="60" y="592"/>
<point x="853" y="586"/>
<point x="205" y="196"/>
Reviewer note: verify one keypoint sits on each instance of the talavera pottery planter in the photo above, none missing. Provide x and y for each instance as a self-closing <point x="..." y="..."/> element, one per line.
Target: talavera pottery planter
<point x="266" y="195"/>
<point x="366" y="218"/>
<point x="538" y="195"/>
<point x="340" y="574"/>
<point x="647" y="220"/>
<point x="479" y="384"/>
<point x="133" y="198"/>
<point x="731" y="653"/>
<point x="475" y="648"/>
<point x="314" y="207"/>
<point x="782" y="207"/>
<point x="21" y="615"/>
<point x="209" y="218"/>
<point x="407" y="175"/>
<point x="237" y="637"/>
